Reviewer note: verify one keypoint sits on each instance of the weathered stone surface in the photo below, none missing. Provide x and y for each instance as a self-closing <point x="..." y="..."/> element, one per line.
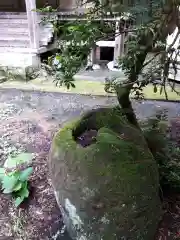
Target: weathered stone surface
<point x="108" y="190"/>
<point x="13" y="73"/>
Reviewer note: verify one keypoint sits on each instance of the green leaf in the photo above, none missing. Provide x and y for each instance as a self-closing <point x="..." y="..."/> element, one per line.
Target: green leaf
<point x="8" y="183"/>
<point x="24" y="175"/>
<point x="7" y="191"/>
<point x="24" y="192"/>
<point x="21" y="158"/>
<point x="155" y="89"/>
<point x="68" y="86"/>
<point x="73" y="85"/>
<point x="17" y="187"/>
<point x="58" y="57"/>
<point x="18" y="201"/>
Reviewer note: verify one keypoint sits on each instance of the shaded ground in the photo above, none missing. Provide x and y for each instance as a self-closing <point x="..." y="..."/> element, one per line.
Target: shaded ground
<point x="170" y="225"/>
<point x="28" y="122"/>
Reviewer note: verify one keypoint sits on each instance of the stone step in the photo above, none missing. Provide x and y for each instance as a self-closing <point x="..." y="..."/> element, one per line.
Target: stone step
<point x="13" y="21"/>
<point x="17" y="32"/>
<point x="17" y="60"/>
<point x="14" y="31"/>
<point x="22" y="50"/>
<point x="6" y="25"/>
<point x="14" y="38"/>
<point x="10" y="15"/>
<point x="14" y="43"/>
<point x="14" y="50"/>
<point x="20" y="43"/>
<point x="19" y="15"/>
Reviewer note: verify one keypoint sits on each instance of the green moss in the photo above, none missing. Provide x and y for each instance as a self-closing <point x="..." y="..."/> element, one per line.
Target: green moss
<point x="165" y="151"/>
<point x="118" y="168"/>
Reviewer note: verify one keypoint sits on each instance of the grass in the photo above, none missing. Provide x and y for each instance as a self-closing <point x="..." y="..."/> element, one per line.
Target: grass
<point x="82" y="87"/>
<point x="87" y="88"/>
<point x="18" y="222"/>
<point x="173" y="96"/>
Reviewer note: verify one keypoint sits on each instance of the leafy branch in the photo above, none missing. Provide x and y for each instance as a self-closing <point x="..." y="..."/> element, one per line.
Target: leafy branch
<point x="15" y="181"/>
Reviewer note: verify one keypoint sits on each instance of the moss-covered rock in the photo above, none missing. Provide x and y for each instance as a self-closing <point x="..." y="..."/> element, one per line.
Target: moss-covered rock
<point x="108" y="190"/>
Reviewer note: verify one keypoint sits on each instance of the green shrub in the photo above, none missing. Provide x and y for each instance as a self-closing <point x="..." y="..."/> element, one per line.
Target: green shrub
<point x="165" y="151"/>
<point x="15" y="181"/>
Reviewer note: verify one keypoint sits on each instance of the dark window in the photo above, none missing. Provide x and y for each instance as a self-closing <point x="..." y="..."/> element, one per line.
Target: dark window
<point x="106" y="53"/>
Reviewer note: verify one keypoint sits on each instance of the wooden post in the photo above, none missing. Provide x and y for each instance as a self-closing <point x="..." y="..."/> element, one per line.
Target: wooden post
<point x="118" y="43"/>
<point x="91" y="58"/>
<point x="33" y="24"/>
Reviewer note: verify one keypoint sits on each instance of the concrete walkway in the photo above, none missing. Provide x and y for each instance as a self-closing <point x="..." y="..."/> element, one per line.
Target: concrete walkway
<point x="62" y="107"/>
<point x="98" y="75"/>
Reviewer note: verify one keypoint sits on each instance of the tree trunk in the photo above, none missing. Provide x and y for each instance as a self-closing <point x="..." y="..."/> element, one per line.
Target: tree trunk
<point x="123" y="92"/>
<point x="125" y="103"/>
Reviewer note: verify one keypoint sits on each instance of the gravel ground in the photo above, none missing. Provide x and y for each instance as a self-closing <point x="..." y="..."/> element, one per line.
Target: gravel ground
<point x="28" y="122"/>
<point x="58" y="108"/>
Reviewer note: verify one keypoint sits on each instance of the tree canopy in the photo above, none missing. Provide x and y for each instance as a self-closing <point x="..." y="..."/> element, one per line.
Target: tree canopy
<point x="148" y="57"/>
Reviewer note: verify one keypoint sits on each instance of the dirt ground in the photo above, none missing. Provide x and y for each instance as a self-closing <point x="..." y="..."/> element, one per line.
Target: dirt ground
<point x="169" y="228"/>
<point x="28" y="123"/>
<point x="39" y="217"/>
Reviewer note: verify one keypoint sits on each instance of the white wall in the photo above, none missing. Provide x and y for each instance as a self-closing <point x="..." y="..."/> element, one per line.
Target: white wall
<point x="176" y="54"/>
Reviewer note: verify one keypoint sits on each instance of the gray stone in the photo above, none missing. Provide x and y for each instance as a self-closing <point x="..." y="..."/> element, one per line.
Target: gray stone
<point x="108" y="190"/>
<point x="2" y="79"/>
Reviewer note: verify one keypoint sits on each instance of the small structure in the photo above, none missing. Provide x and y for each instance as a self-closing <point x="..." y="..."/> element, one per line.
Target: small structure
<point x="109" y="51"/>
<point x="24" y="37"/>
